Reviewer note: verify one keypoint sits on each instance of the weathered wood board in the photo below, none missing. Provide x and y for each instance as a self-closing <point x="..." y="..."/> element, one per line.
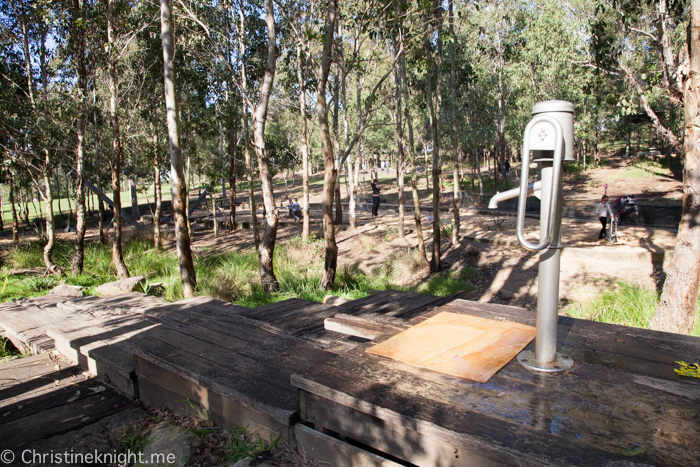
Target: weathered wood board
<point x="45" y="395"/>
<point x="621" y="403"/>
<point x="458" y="345"/>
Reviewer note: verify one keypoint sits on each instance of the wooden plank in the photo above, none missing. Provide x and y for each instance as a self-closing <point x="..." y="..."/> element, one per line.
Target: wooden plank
<point x="24" y="335"/>
<point x="402" y="441"/>
<point x="353" y="306"/>
<point x="335" y="452"/>
<point x="39" y="401"/>
<point x="589" y="405"/>
<point x="360" y="327"/>
<point x="249" y="336"/>
<point x="62" y="418"/>
<point x="29" y="361"/>
<point x="459" y="345"/>
<point x="272" y="311"/>
<point x="113" y="362"/>
<point x="18" y="388"/>
<point x="256" y="387"/>
<point x="45" y="366"/>
<point x="413" y="308"/>
<point x="188" y="398"/>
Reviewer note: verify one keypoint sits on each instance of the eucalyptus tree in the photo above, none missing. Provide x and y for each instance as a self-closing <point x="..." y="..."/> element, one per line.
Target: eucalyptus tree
<point x="433" y="24"/>
<point x="366" y="107"/>
<point x="182" y="236"/>
<point x="31" y="27"/>
<point x="117" y="155"/>
<point x="331" y="256"/>
<point x="642" y="43"/>
<point x="79" y="32"/>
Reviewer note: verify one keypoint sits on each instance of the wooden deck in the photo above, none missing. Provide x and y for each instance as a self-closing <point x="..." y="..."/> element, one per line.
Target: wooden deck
<point x="295" y="361"/>
<point x="201" y="356"/>
<point x="46" y="395"/>
<point x="621" y="403"/>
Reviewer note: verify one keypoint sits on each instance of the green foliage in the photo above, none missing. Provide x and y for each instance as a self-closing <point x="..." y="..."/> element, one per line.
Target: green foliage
<point x="443" y="285"/>
<point x="244" y="444"/>
<point x="134" y="440"/>
<point x="625" y="304"/>
<point x="7" y="350"/>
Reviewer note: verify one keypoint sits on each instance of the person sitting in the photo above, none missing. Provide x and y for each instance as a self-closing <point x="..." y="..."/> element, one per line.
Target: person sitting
<point x="296" y="210"/>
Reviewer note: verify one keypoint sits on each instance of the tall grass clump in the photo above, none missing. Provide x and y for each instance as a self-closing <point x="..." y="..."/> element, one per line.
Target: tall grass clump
<point x="628" y="305"/>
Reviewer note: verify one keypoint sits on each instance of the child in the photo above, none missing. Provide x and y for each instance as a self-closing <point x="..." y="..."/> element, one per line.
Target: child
<point x="296" y="210"/>
<point x="602" y="212"/>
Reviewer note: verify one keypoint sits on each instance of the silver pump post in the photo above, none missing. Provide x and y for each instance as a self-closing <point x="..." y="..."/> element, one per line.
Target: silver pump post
<point x="549" y="136"/>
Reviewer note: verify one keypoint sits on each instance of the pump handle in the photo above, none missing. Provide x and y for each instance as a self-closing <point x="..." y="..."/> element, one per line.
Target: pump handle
<point x="525" y="172"/>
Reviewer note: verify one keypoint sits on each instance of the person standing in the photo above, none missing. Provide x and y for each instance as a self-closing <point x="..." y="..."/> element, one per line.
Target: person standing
<point x="375" y="197"/>
<point x="603" y="211"/>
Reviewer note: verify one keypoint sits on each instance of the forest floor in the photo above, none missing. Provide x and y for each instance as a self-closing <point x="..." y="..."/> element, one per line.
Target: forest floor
<point x="503" y="267"/>
<point x="505" y="272"/>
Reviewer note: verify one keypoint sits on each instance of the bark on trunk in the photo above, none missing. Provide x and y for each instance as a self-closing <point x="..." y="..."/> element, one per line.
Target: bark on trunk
<point x="117" y="151"/>
<point x="269" y="236"/>
<point x="400" y="151"/>
<point x="50" y="224"/>
<point x="352" y="182"/>
<point x="455" y="139"/>
<point x="331" y="257"/>
<point x="79" y="243"/>
<point x="679" y="300"/>
<point x="15" y="218"/>
<point x="246" y="135"/>
<point x="435" y="260"/>
<point x="157" y="189"/>
<point x="304" y="144"/>
<point x="177" y="166"/>
<point x="232" y="178"/>
<point x="414" y="166"/>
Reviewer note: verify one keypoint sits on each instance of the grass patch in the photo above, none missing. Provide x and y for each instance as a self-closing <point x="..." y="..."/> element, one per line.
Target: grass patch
<point x="244" y="444"/>
<point x="7" y="350"/>
<point x="624" y="304"/>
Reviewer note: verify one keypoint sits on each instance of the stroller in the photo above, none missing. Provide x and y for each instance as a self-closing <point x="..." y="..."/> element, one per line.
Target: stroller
<point x="626" y="210"/>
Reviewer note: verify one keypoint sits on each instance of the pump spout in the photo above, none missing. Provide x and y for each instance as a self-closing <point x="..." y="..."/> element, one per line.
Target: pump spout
<point x="514" y="193"/>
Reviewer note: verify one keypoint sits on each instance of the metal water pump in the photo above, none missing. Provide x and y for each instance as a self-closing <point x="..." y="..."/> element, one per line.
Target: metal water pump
<point x="549" y="137"/>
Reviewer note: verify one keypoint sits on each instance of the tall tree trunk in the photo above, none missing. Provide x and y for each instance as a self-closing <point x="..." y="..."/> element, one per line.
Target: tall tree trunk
<point x="50" y="224"/>
<point x="232" y="177"/>
<point x="435" y="260"/>
<point x="269" y="236"/>
<point x="414" y="166"/>
<point x="400" y="144"/>
<point x="336" y="147"/>
<point x="117" y="150"/>
<point x="157" y="187"/>
<point x="331" y="257"/>
<point x="177" y="166"/>
<point x="249" y="179"/>
<point x="455" y="139"/>
<point x="304" y="144"/>
<point x="679" y="300"/>
<point x="246" y="135"/>
<point x="352" y="194"/>
<point x="98" y="162"/>
<point x="78" y="33"/>
<point x="15" y="218"/>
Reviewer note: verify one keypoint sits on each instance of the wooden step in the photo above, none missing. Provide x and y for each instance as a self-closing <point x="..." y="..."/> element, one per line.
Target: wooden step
<point x="44" y="395"/>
